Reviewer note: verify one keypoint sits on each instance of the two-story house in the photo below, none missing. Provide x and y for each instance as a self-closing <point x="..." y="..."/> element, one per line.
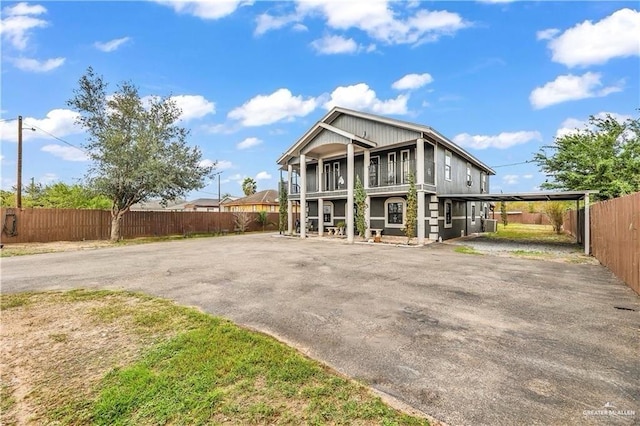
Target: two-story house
<point x="344" y="145"/>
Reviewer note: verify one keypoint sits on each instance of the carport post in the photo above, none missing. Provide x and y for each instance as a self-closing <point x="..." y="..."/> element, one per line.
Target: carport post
<point x="587" y="226"/>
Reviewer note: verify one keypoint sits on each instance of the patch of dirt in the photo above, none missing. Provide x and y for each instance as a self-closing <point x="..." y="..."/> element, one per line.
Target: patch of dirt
<point x="55" y="351"/>
<point x="14" y="249"/>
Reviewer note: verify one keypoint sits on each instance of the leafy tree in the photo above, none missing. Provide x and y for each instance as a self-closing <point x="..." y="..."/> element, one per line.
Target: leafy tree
<point x="503" y="213"/>
<point x="604" y="156"/>
<point x="138" y="150"/>
<point x="554" y="210"/>
<point x="63" y="196"/>
<point x="249" y="186"/>
<point x="262" y="219"/>
<point x="33" y="195"/>
<point x="412" y="209"/>
<point x="360" y="198"/>
<point x="283" y="207"/>
<point x="7" y="198"/>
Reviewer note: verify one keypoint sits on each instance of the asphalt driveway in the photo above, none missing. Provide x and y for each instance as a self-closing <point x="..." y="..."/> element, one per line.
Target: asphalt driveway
<point x="467" y="339"/>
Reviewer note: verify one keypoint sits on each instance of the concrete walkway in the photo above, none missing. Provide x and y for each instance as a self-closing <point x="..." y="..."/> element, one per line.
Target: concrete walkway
<point x="474" y="340"/>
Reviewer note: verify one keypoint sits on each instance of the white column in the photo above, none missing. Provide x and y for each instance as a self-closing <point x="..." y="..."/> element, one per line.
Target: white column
<point x="420" y="185"/>
<point x="320" y="217"/>
<point x="365" y="174"/>
<point x="303" y="196"/>
<point x="350" y="186"/>
<point x="587" y="226"/>
<point x="289" y="201"/>
<point x="320" y="167"/>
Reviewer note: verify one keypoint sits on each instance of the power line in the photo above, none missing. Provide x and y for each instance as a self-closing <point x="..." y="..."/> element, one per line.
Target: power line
<point x="7" y="119"/>
<point x="512" y="164"/>
<point x="57" y="138"/>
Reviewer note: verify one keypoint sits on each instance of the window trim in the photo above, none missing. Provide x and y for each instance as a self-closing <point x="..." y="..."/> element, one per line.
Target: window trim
<point x="391" y="169"/>
<point x="483" y="182"/>
<point x="450" y="224"/>
<point x="447" y="166"/>
<point x="473" y="213"/>
<point x="336" y="175"/>
<point x="327" y="204"/>
<point x="327" y="176"/>
<point x="386" y="212"/>
<point x="371" y="158"/>
<point x="469" y="181"/>
<point x="404" y="164"/>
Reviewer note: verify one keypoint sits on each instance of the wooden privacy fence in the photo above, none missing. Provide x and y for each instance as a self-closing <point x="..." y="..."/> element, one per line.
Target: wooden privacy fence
<point x="615" y="236"/>
<point x="45" y="225"/>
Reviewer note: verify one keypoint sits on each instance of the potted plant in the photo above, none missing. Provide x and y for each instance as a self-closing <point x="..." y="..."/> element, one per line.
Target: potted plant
<point x="340" y="225"/>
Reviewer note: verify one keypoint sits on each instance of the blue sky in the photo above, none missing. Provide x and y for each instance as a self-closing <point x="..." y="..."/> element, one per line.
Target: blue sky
<point x="499" y="78"/>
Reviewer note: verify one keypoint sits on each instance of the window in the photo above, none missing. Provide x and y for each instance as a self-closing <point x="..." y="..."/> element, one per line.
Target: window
<point x="327" y="177"/>
<point x="374" y="171"/>
<point x="447" y="165"/>
<point x="473" y="213"/>
<point x="336" y="176"/>
<point x="404" y="158"/>
<point x="483" y="183"/>
<point x="391" y="168"/>
<point x="395" y="212"/>
<point x="469" y="180"/>
<point x="448" y="214"/>
<point x="327" y="213"/>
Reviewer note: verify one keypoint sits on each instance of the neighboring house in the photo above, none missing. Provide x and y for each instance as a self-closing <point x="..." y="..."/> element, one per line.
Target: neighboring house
<point x="156" y="206"/>
<point x="322" y="166"/>
<point x="266" y="200"/>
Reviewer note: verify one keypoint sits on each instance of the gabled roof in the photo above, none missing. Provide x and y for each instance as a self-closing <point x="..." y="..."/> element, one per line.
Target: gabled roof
<point x="268" y="196"/>
<point x="204" y="202"/>
<point x="335" y="112"/>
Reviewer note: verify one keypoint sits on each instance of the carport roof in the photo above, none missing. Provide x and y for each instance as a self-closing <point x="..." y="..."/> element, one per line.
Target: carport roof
<point x="522" y="196"/>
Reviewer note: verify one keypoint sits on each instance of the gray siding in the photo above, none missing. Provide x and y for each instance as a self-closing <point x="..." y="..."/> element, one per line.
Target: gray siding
<point x="458" y="182"/>
<point x="382" y="134"/>
<point x="326" y="137"/>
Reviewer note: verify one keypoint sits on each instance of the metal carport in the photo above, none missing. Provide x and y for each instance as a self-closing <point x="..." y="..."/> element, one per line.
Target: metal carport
<point x="537" y="196"/>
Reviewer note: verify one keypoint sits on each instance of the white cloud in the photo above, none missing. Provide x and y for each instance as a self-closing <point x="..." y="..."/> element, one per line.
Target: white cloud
<point x="267" y="109"/>
<point x="361" y="97"/>
<point x="194" y="106"/>
<point x="67" y="153"/>
<point x="527" y="176"/>
<point x="205" y="9"/>
<point x="59" y="122"/>
<point x="588" y="43"/>
<point x="266" y="22"/>
<point x="248" y="143"/>
<point x="110" y="46"/>
<point x="379" y="20"/>
<point x="570" y="88"/>
<point x="547" y="34"/>
<point x="219" y="165"/>
<point x="502" y="141"/>
<point x="574" y="125"/>
<point x="300" y="27"/>
<point x="34" y="65"/>
<point x="263" y="176"/>
<point x="412" y="81"/>
<point x="510" y="179"/>
<point x="334" y="44"/>
<point x="19" y="21"/>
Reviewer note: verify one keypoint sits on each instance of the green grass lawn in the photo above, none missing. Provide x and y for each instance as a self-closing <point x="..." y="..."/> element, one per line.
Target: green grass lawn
<point x="466" y="250"/>
<point x="195" y="369"/>
<point x="524" y="232"/>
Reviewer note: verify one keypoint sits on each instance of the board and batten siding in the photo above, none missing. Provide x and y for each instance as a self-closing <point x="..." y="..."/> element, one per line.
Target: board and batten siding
<point x="381" y="134"/>
<point x="326" y="137"/>
<point x="458" y="182"/>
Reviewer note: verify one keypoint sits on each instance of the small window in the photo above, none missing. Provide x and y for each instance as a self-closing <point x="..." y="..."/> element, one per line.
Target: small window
<point x="374" y="171"/>
<point x="391" y="168"/>
<point x="395" y="212"/>
<point x="327" y="213"/>
<point x="404" y="158"/>
<point x="473" y="213"/>
<point x="447" y="165"/>
<point x="483" y="183"/>
<point x="469" y="179"/>
<point x="448" y="214"/>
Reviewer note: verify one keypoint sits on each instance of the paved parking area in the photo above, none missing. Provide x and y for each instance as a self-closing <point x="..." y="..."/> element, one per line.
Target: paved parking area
<point x="477" y="340"/>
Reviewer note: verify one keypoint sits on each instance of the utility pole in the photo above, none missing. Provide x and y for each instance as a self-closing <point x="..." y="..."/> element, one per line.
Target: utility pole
<point x="19" y="177"/>
<point x="217" y="175"/>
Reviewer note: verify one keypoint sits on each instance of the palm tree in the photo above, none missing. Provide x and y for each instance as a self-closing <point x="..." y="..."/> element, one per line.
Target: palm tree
<point x="249" y="186"/>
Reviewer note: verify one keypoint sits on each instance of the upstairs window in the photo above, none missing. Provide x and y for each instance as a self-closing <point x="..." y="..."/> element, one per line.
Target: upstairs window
<point x="469" y="179"/>
<point x="447" y="165"/>
<point x="483" y="183"/>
